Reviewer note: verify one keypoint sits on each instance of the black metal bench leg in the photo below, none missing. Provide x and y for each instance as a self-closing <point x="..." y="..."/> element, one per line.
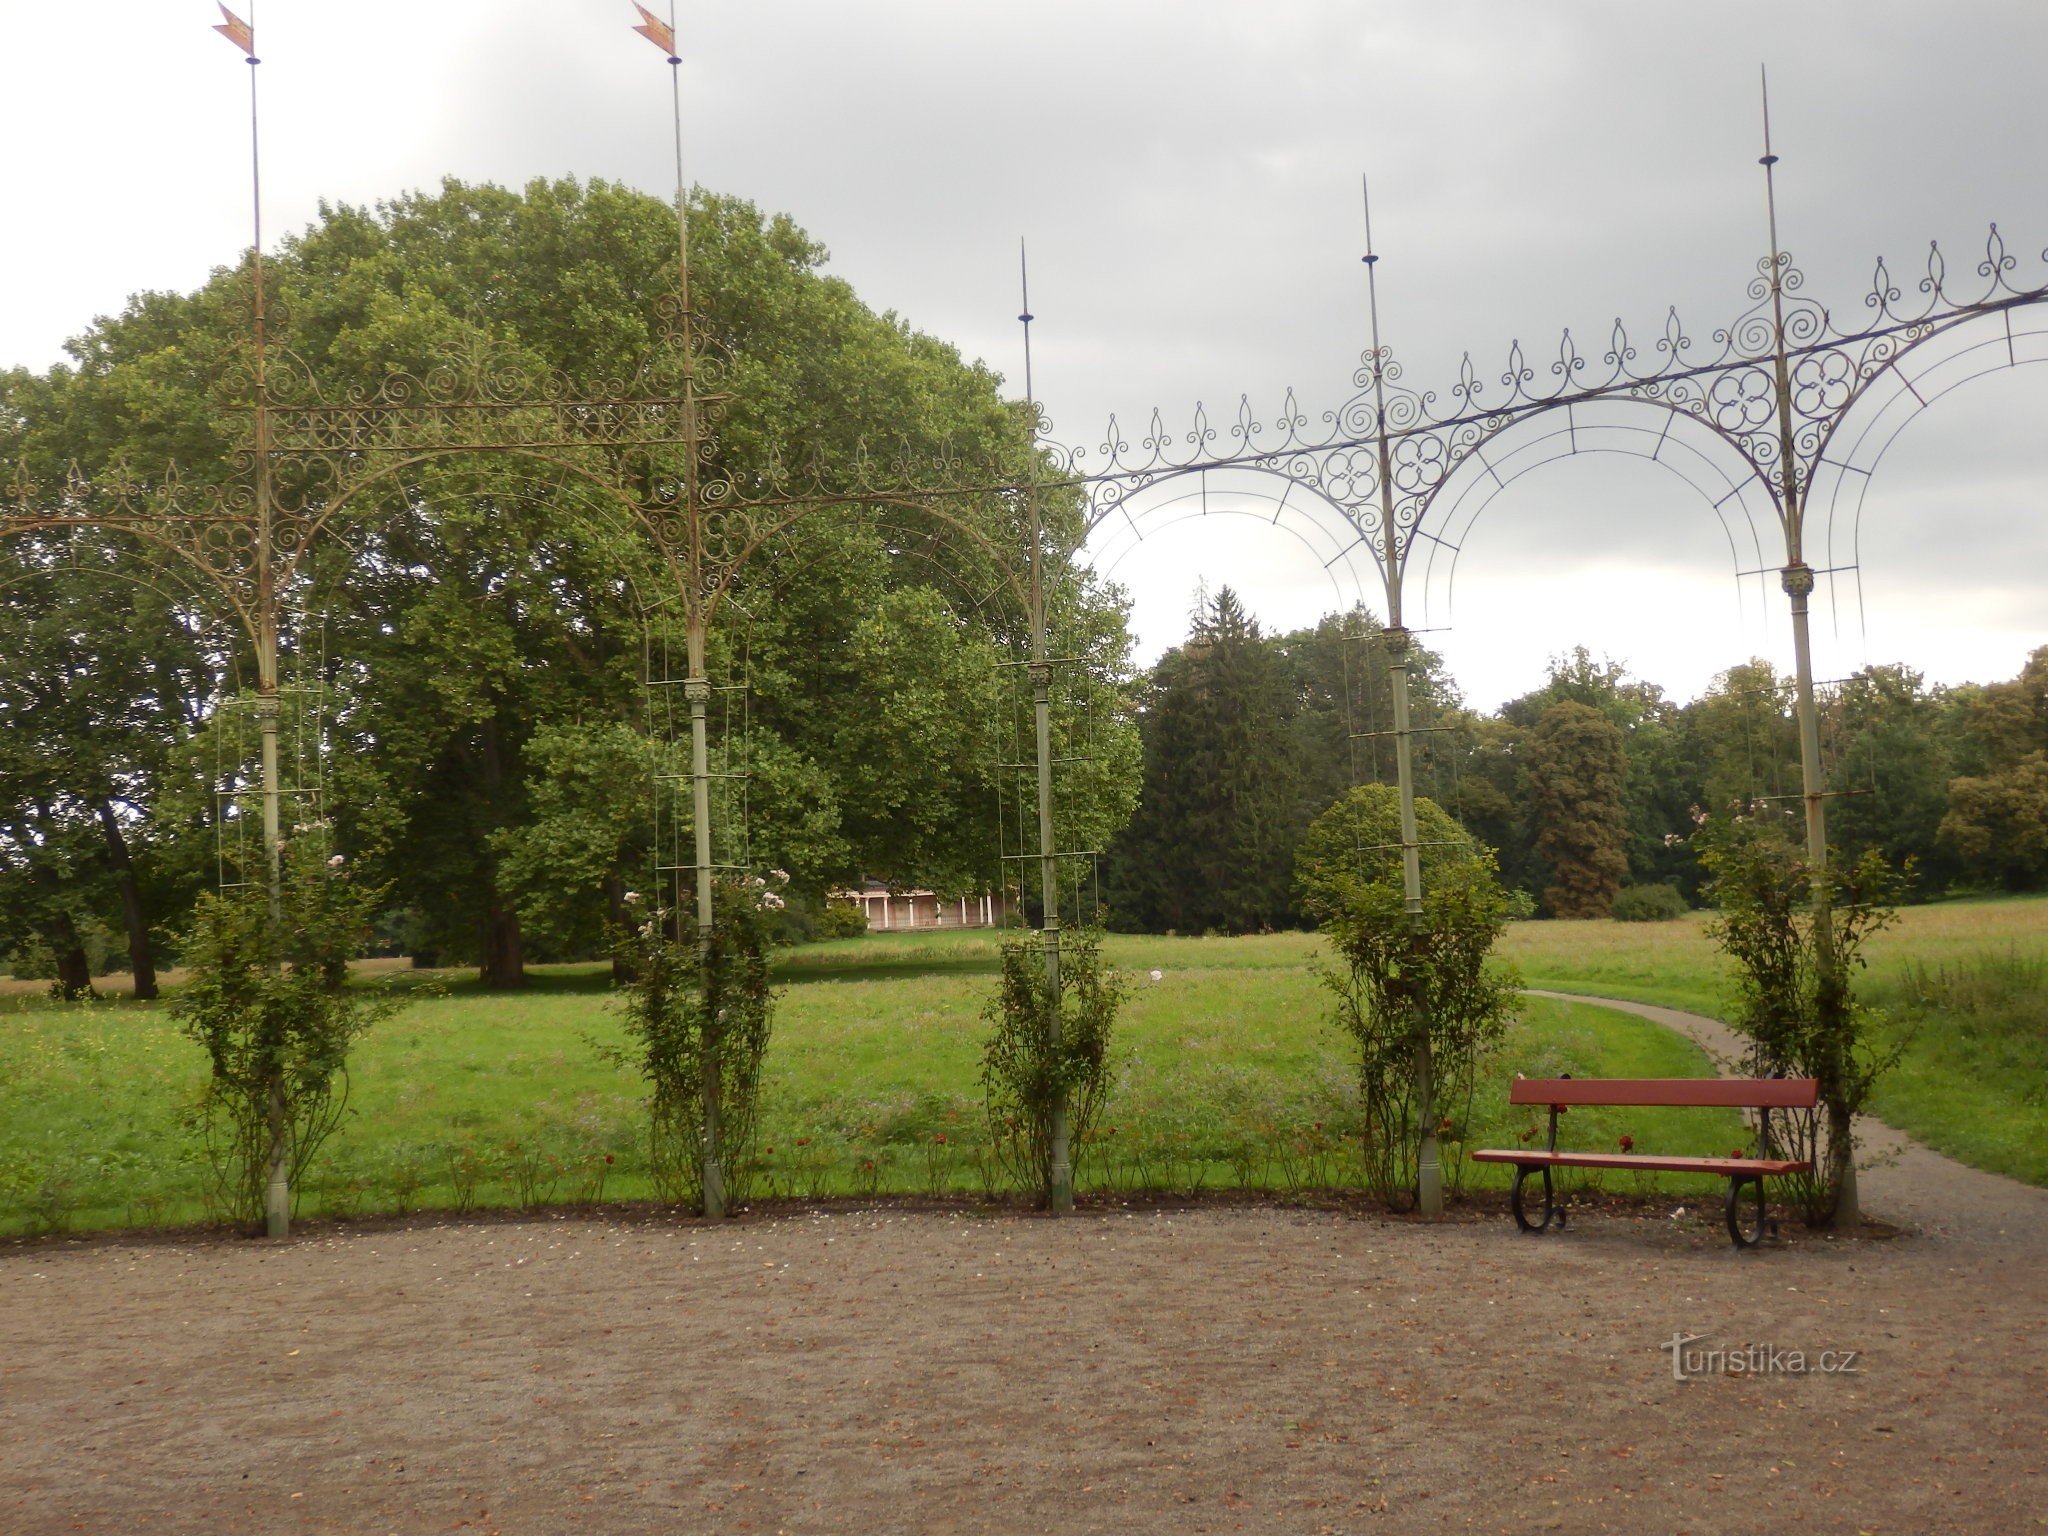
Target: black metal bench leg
<point x="1553" y="1209"/>
<point x="1747" y="1234"/>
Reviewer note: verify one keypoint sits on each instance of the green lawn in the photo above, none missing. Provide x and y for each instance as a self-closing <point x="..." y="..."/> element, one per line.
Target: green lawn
<point x="1228" y="1076"/>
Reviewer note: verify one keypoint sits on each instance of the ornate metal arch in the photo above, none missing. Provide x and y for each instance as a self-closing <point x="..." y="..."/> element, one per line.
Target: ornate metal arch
<point x="1905" y="386"/>
<point x="1646" y="429"/>
<point x="1239" y="484"/>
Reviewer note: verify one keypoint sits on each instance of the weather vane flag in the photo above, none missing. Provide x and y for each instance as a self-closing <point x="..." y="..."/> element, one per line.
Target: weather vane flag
<point x="655" y="30"/>
<point x="238" y="32"/>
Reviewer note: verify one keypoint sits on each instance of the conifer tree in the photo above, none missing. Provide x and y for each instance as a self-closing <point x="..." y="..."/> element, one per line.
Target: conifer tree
<point x="1212" y="843"/>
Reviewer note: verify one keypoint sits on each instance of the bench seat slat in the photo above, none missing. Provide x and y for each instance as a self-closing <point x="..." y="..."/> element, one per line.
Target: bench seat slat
<point x="1684" y="1092"/>
<point x="1723" y="1166"/>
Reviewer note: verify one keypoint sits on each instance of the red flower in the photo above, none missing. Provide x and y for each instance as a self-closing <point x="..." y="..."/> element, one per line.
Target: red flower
<point x="608" y="1157"/>
<point x="1736" y="1153"/>
<point x="803" y="1141"/>
<point x="940" y="1139"/>
<point x="1529" y="1134"/>
<point x="1628" y="1143"/>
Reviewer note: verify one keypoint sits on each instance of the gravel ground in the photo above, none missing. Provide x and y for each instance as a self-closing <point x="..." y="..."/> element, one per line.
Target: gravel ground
<point x="1129" y="1370"/>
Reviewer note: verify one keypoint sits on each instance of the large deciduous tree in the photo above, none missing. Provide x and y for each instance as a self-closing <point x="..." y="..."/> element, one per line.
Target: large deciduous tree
<point x="1888" y="767"/>
<point x="1658" y="790"/>
<point x="489" y="622"/>
<point x="1744" y="738"/>
<point x="105" y="680"/>
<point x="1997" y="819"/>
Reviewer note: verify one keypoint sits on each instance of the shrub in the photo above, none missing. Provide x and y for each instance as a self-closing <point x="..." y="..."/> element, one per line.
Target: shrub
<point x="843" y="920"/>
<point x="1037" y="1062"/>
<point x="697" y="1017"/>
<point x="266" y="1004"/>
<point x="1406" y="983"/>
<point x="1796" y="936"/>
<point x="1649" y="904"/>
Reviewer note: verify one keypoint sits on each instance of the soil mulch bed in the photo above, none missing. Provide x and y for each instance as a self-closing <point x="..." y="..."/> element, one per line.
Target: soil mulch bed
<point x="1174" y="1368"/>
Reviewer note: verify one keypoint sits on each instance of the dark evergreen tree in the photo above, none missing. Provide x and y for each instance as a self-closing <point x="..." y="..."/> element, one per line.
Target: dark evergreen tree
<point x="1344" y="710"/>
<point x="1212" y="843"/>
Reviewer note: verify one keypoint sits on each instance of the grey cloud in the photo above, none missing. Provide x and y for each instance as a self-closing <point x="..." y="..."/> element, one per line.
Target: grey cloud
<point x="1186" y="172"/>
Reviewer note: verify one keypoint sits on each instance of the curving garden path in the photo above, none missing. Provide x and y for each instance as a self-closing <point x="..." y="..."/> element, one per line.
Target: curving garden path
<point x="1899" y="1179"/>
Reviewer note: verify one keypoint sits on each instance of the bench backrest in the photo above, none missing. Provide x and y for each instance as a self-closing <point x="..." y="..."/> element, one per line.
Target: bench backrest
<point x="1689" y="1092"/>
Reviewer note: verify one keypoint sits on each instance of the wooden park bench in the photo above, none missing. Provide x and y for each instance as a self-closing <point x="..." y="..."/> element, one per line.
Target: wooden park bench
<point x="1742" y="1173"/>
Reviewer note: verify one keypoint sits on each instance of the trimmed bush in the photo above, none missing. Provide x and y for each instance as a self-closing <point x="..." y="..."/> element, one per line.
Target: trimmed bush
<point x="1649" y="904"/>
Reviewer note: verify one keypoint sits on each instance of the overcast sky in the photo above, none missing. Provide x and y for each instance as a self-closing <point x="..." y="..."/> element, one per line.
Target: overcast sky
<point x="1187" y="174"/>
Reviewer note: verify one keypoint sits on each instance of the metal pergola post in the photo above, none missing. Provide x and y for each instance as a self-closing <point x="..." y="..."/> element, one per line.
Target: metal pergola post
<point x="1796" y="579"/>
<point x="1060" y="1197"/>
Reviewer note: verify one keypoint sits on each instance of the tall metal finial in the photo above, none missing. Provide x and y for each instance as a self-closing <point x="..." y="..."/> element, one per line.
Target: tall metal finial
<point x="1378" y="371"/>
<point x="675" y="82"/>
<point x="1024" y="318"/>
<point x="1371" y="260"/>
<point x="1767" y="160"/>
<point x="1764" y="80"/>
<point x="1789" y="489"/>
<point x="663" y="35"/>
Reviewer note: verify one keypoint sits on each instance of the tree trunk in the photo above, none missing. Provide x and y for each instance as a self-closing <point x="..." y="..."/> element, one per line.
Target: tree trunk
<point x="74" y="971"/>
<point x="60" y="931"/>
<point x="141" y="956"/>
<point x="1848" y="1211"/>
<point x="504" y="958"/>
<point x="615" y="902"/>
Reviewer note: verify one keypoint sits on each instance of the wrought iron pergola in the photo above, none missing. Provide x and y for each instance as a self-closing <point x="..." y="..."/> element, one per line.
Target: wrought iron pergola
<point x="1787" y="409"/>
<point x="1784" y="410"/>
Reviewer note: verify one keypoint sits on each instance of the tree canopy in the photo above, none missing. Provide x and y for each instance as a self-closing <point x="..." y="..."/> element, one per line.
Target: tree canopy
<point x="482" y="628"/>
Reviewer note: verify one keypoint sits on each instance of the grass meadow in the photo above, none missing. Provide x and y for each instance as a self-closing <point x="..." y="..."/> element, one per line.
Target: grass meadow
<point x="1229" y="1076"/>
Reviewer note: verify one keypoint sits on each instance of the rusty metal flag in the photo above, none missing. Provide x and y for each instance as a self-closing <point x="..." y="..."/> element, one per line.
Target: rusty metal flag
<point x="238" y="32"/>
<point x="656" y="31"/>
